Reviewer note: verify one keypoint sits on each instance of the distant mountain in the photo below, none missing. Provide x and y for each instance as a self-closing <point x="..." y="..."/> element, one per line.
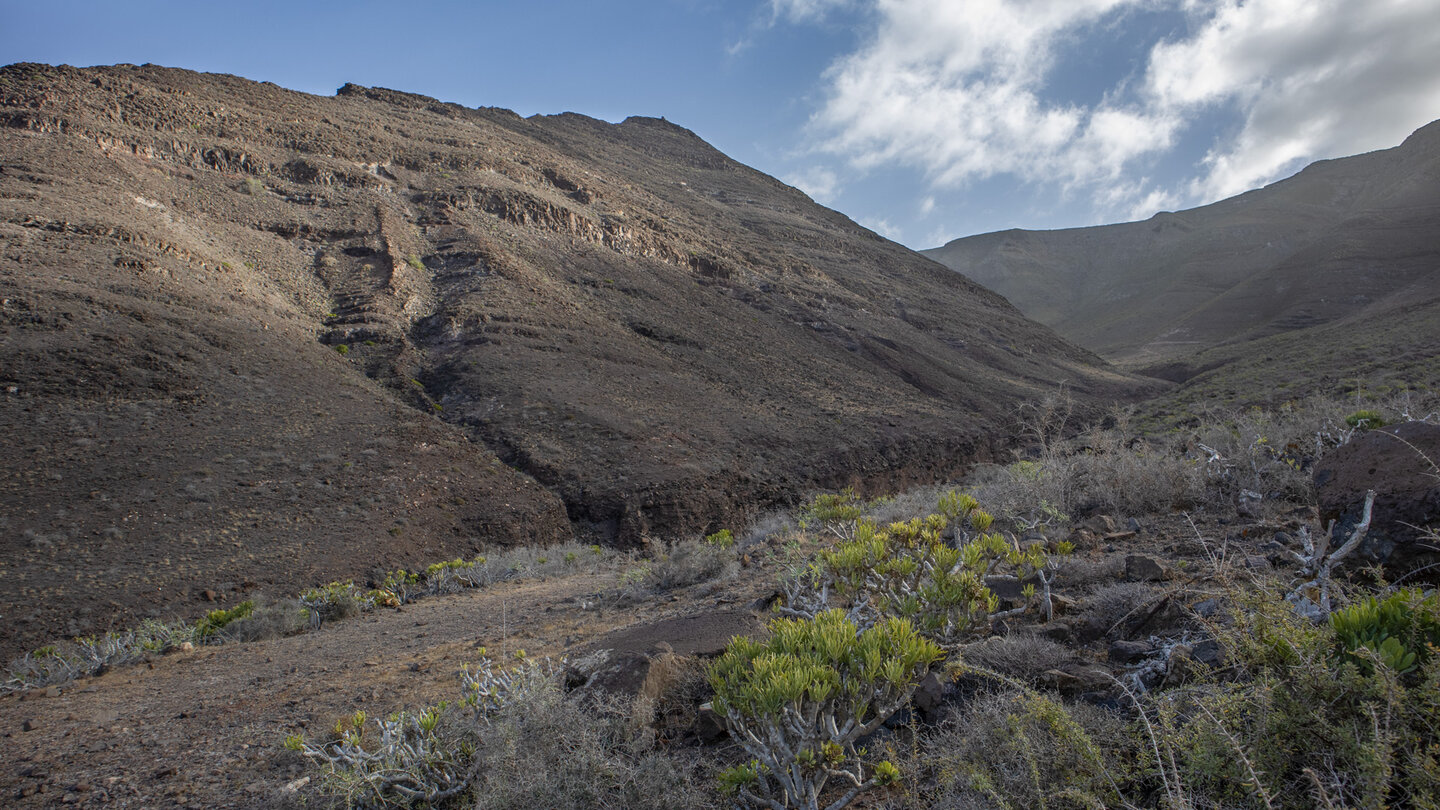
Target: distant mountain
<point x="1344" y="247"/>
<point x="257" y="339"/>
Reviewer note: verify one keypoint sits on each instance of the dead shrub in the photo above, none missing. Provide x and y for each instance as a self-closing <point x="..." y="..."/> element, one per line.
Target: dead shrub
<point x="1110" y="604"/>
<point x="1021" y="656"/>
<point x="552" y="751"/>
<point x="1011" y="748"/>
<point x="270" y="620"/>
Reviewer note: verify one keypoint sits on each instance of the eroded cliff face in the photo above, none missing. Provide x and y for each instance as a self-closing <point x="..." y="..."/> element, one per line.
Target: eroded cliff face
<point x="302" y="337"/>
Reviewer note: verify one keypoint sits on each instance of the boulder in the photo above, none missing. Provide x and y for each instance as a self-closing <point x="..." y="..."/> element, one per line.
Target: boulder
<point x="1130" y="652"/>
<point x="1400" y="464"/>
<point x="619" y="662"/>
<point x="929" y="696"/>
<point x="1143" y="568"/>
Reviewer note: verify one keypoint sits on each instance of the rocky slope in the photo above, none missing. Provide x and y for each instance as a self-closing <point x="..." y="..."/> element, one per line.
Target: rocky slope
<point x="1349" y="243"/>
<point x="255" y="339"/>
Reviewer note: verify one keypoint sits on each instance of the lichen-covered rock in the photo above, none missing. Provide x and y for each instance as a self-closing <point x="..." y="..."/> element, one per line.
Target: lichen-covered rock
<point x="1400" y="464"/>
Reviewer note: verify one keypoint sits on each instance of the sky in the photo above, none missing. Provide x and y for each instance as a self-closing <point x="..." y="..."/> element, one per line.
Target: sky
<point x="924" y="120"/>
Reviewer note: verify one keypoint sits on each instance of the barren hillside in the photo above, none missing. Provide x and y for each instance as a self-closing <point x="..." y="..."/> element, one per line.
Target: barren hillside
<point x="252" y="339"/>
<point x="1333" y="253"/>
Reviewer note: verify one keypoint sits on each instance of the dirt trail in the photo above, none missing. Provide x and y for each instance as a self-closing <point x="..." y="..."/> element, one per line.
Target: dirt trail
<point x="206" y="729"/>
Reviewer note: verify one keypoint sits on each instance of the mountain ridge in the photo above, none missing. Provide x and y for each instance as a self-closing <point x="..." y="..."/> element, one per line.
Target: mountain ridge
<point x="278" y="338"/>
<point x="1339" y="236"/>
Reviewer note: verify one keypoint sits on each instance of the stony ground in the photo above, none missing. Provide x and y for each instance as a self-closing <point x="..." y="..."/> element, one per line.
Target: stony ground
<point x="206" y="728"/>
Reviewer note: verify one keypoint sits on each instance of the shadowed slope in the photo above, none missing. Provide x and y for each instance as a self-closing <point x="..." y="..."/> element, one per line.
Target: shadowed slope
<point x="1348" y="240"/>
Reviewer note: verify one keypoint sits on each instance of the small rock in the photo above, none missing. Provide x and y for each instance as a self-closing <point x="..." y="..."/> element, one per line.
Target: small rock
<point x="185" y="646"/>
<point x="1255" y="562"/>
<point x="1141" y="568"/>
<point x="1099" y="524"/>
<point x="1076" y="679"/>
<point x="209" y="595"/>
<point x="1207" y="608"/>
<point x="30" y="724"/>
<point x="1129" y="652"/>
<point x="1055" y="631"/>
<point x="1062" y="605"/>
<point x="1209" y="653"/>
<point x="929" y="694"/>
<point x="708" y="725"/>
<point x="1133" y="525"/>
<point x="294" y="787"/>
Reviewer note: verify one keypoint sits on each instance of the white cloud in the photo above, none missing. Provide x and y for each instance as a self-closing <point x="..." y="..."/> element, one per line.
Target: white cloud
<point x="822" y="184"/>
<point x="963" y="91"/>
<point x="805" y="10"/>
<point x="927" y="205"/>
<point x="956" y="89"/>
<point x="1310" y="78"/>
<point x="885" y="228"/>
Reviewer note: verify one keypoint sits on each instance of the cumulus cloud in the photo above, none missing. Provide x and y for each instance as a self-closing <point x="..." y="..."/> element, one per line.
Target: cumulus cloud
<point x="1310" y="78"/>
<point x="966" y="91"/>
<point x="822" y="184"/>
<point x="803" y="10"/>
<point x="885" y="228"/>
<point x="957" y="90"/>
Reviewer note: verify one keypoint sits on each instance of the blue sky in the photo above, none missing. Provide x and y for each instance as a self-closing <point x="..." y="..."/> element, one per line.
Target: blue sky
<point x="925" y="120"/>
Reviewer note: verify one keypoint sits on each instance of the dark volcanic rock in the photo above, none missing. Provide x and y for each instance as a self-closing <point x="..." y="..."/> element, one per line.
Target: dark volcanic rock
<point x="619" y="663"/>
<point x="1143" y="568"/>
<point x="1398" y="462"/>
<point x="252" y="334"/>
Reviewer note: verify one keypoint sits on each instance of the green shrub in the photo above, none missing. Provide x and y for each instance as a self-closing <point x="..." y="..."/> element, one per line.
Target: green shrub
<point x="419" y="758"/>
<point x="908" y="570"/>
<point x="833" y="512"/>
<point x="798" y="702"/>
<point x="723" y="538"/>
<point x="342" y="349"/>
<point x="398" y="587"/>
<point x="216" y="620"/>
<point x="1366" y="420"/>
<point x="1301" y="722"/>
<point x="1401" y="630"/>
<point x="338" y="600"/>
